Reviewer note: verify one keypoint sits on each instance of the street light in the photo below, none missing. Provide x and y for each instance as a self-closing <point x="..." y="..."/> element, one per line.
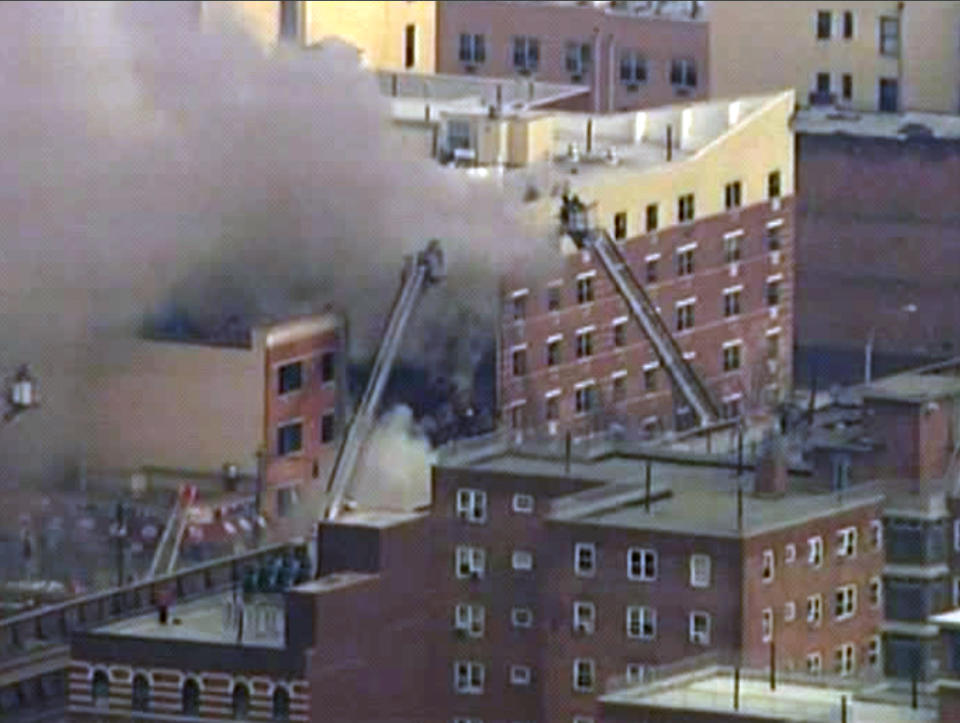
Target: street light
<point x="868" y="349"/>
<point x="21" y="394"/>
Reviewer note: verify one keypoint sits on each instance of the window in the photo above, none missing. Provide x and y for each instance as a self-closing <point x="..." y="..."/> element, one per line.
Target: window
<point x="553" y="407"/>
<point x="585" y="343"/>
<point x="521" y="617"/>
<point x="731" y="356"/>
<point x="815" y="551"/>
<point x="554" y="351"/>
<point x="684" y="315"/>
<point x="618" y="387"/>
<point x="700" y="570"/>
<point x="823" y="83"/>
<point x="458" y="135"/>
<point x="288" y="20"/>
<point x="281" y="703"/>
<point x="731" y="248"/>
<point x="523" y="504"/>
<point x="584" y="398"/>
<point x="789" y="553"/>
<point x="773" y="291"/>
<point x="641" y="564"/>
<point x="583" y="675"/>
<point x="730" y="407"/>
<point x="789" y="612"/>
<point x="522" y="560"/>
<point x="101" y="690"/>
<point x="814" y="663"/>
<point x="620" y="332"/>
<point x="519" y="675"/>
<point x="847" y="542"/>
<point x="845" y="602"/>
<point x="889" y="36"/>
<point x="410" y="46"/>
<point x="766" y="573"/>
<point x="289" y="438"/>
<point x="241" y="701"/>
<point x="584" y="617"/>
<point x="633" y="67"/>
<point x="578" y="57"/>
<point x="190" y="697"/>
<point x="956" y="592"/>
<point x="814" y="609"/>
<point x="685" y="208"/>
<point x="470" y="562"/>
<point x="773" y="346"/>
<point x="683" y="73"/>
<point x="824" y="23"/>
<point x="328" y="366"/>
<point x="290" y="377"/>
<point x="473" y="48"/>
<point x="766" y="625"/>
<point x="889" y="95"/>
<point x="876" y="592"/>
<point x="585" y="289"/>
<point x="847" y="25"/>
<point x="873" y="652"/>
<point x="516" y="414"/>
<point x="846" y="86"/>
<point x="620" y="225"/>
<point x="731" y="195"/>
<point x="519" y="305"/>
<point x="773" y="238"/>
<point x="585" y="559"/>
<point x="468" y="677"/>
<point x="140" y="698"/>
<point x="634" y="673"/>
<point x="526" y="54"/>
<point x="553" y="297"/>
<point x="651" y="269"/>
<point x="327" y="427"/>
<point x="700" y="628"/>
<point x="650" y="378"/>
<point x="519" y="362"/>
<point x="876" y="534"/>
<point x="641" y="622"/>
<point x="287" y="499"/>
<point x="653" y="220"/>
<point x="845" y="659"/>
<point x="773" y="184"/>
<point x="472" y="505"/>
<point x="956" y="535"/>
<point x="469" y="619"/>
<point x="685" y="261"/>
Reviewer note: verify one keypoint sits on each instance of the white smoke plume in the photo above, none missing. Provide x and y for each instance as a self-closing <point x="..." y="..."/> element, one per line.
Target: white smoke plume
<point x="144" y="160"/>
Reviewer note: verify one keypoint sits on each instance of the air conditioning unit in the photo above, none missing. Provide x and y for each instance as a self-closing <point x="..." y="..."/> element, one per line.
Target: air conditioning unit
<point x="734" y="268"/>
<point x="775" y="204"/>
<point x="773" y="312"/>
<point x="552" y="428"/>
<point x="772" y="365"/>
<point x="461" y="155"/>
<point x="774" y="257"/>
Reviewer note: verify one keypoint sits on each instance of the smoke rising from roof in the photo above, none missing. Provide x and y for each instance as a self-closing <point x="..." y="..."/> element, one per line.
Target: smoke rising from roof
<point x="147" y="164"/>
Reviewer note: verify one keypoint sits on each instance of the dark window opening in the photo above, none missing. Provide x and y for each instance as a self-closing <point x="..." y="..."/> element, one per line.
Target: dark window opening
<point x="141" y="693"/>
<point x="824" y="23"/>
<point x="241" y="702"/>
<point x="620" y="226"/>
<point x="847" y="25"/>
<point x="327" y="429"/>
<point x="289" y="438"/>
<point x="410" y="46"/>
<point x="101" y="690"/>
<point x="291" y="377"/>
<point x="281" y="704"/>
<point x="191" y="697"/>
<point x="328" y="366"/>
<point x="288" y="20"/>
<point x="773" y="184"/>
<point x="652" y="217"/>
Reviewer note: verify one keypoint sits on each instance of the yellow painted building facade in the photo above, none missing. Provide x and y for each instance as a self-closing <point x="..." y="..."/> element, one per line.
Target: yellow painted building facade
<point x="389" y="35"/>
<point x="866" y="56"/>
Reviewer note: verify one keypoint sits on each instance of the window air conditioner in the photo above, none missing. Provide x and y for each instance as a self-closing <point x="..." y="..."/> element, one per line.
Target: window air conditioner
<point x="464" y="154"/>
<point x="775" y="204"/>
<point x="699" y="637"/>
<point x="774" y="257"/>
<point x="734" y="267"/>
<point x="552" y="428"/>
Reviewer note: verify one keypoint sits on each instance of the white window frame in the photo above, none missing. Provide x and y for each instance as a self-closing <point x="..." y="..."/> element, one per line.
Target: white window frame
<point x="470" y="619"/>
<point x="635" y="673"/>
<point x="700" y="637"/>
<point x="766" y="625"/>
<point x="584" y="394"/>
<point x="644" y="554"/>
<point x="639" y="619"/>
<point x="585" y="289"/>
<point x="814" y="663"/>
<point x="681" y="308"/>
<point x="848" y="595"/>
<point x="768" y="563"/>
<point x="591" y="549"/>
<point x="517" y="613"/>
<point x="522" y="560"/>
<point x="520" y="675"/>
<point x="635" y="62"/>
<point x="732" y="302"/>
<point x="847" y="542"/>
<point x="815" y="610"/>
<point x="847" y="658"/>
<point x="815" y="551"/>
<point x="523" y="504"/>
<point x="472" y="505"/>
<point x="789" y="553"/>
<point x="733" y="348"/>
<point x="588" y="665"/>
<point x="473" y="559"/>
<point x="584" y="342"/>
<point x="789" y="611"/>
<point x="876" y="534"/>
<point x="875" y="651"/>
<point x="468" y="677"/>
<point x="876" y="583"/>
<point x="700" y="570"/>
<point x="584" y="617"/>
<point x="476" y="53"/>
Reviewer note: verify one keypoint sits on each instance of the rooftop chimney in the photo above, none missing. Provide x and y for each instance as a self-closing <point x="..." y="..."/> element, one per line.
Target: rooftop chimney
<point x="770" y="477"/>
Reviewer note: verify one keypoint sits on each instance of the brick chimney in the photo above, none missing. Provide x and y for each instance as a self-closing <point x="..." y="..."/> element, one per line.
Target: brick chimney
<point x="770" y="475"/>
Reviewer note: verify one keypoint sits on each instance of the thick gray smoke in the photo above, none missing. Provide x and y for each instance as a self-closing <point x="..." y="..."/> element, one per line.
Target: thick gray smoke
<point x="146" y="162"/>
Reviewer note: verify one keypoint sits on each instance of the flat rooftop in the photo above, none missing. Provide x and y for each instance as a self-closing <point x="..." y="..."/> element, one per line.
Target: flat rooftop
<point x="790" y="701"/>
<point x="828" y="120"/>
<point x="667" y="10"/>
<point x="913" y="388"/>
<point x="377" y="518"/>
<point x="702" y="499"/>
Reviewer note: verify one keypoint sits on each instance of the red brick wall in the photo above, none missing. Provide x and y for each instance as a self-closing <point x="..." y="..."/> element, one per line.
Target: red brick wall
<point x="711" y="329"/>
<point x="917" y="438"/>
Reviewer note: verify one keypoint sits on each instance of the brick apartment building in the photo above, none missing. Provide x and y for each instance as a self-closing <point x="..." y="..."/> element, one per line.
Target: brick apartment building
<point x="706" y="229"/>
<point x="197" y="402"/>
<point x="631" y="55"/>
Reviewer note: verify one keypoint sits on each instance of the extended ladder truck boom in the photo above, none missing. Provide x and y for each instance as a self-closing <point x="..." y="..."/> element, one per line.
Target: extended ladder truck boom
<point x="575" y="219"/>
<point x="420" y="271"/>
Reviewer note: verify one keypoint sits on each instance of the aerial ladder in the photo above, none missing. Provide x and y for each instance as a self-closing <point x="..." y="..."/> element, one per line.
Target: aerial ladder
<point x="420" y="271"/>
<point x="168" y="547"/>
<point x="574" y="216"/>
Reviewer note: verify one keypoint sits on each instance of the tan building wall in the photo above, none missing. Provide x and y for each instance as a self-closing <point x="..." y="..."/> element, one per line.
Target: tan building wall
<point x="762" y="46"/>
<point x="377" y="29"/>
